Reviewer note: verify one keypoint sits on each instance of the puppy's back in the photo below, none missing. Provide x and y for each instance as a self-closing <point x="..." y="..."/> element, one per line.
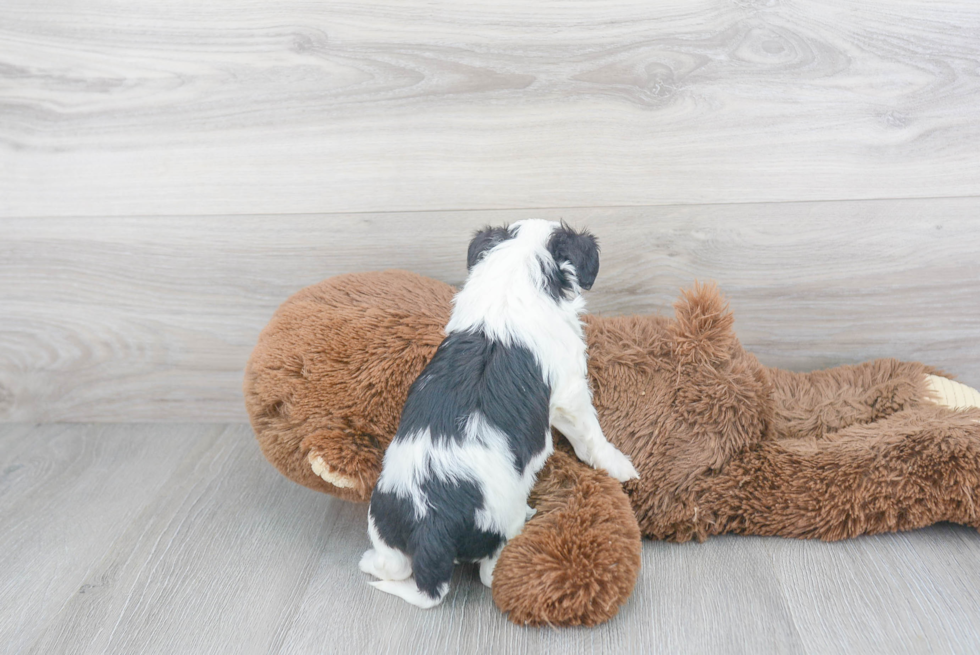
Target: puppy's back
<point x="473" y="375"/>
<point x="474" y="420"/>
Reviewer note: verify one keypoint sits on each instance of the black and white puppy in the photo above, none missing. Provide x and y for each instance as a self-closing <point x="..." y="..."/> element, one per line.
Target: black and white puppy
<point x="475" y="430"/>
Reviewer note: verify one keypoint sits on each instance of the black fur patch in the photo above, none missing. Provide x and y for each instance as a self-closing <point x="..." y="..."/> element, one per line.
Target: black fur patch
<point x="446" y="533"/>
<point x="471" y="373"/>
<point x="581" y="250"/>
<point x="483" y="241"/>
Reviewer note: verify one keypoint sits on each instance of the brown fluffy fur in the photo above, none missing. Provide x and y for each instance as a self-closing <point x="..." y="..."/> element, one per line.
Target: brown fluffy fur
<point x="722" y="443"/>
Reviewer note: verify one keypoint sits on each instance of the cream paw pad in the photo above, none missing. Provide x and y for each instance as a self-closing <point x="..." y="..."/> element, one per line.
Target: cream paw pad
<point x="949" y="393"/>
<point x="321" y="468"/>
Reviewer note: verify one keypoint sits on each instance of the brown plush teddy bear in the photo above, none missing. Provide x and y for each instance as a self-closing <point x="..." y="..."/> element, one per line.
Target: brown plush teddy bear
<point x="722" y="443"/>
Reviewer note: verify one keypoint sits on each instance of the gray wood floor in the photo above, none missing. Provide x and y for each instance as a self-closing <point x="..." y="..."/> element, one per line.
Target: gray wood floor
<point x="179" y="538"/>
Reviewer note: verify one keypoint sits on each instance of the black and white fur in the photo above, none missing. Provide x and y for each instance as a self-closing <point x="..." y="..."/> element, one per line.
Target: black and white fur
<point x="475" y="429"/>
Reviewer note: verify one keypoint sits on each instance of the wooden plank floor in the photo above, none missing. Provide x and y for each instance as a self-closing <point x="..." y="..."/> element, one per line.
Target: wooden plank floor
<point x="180" y="538"/>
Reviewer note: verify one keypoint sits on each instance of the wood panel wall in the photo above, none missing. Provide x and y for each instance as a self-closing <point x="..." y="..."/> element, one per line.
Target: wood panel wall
<point x="170" y="173"/>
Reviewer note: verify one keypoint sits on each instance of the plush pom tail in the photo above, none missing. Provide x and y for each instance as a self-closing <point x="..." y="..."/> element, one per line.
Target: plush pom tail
<point x="703" y="330"/>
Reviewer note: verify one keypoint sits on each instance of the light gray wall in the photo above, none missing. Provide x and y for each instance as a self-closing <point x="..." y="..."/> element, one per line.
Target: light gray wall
<point x="170" y="173"/>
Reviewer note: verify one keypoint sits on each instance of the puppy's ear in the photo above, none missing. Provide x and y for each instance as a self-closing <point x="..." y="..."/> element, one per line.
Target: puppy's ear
<point x="483" y="241"/>
<point x="580" y="249"/>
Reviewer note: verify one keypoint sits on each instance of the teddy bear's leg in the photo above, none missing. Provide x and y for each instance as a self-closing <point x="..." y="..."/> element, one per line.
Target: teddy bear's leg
<point x="907" y="471"/>
<point x="327" y="474"/>
<point x="815" y="404"/>
<point x="578" y="557"/>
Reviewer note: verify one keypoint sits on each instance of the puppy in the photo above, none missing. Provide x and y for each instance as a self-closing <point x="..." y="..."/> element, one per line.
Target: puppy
<point x="475" y="429"/>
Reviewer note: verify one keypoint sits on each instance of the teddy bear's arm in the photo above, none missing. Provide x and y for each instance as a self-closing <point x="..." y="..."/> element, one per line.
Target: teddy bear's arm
<point x="578" y="557"/>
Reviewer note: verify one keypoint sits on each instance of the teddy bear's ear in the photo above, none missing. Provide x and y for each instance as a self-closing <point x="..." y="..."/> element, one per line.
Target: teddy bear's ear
<point x="483" y="241"/>
<point x="580" y="249"/>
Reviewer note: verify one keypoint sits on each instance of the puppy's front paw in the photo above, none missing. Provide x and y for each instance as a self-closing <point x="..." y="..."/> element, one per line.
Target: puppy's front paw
<point x="616" y="463"/>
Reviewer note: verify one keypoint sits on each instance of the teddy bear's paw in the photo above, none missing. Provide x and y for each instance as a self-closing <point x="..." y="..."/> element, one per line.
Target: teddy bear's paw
<point x="954" y="395"/>
<point x="322" y="469"/>
<point x="615" y="463"/>
<point x="344" y="463"/>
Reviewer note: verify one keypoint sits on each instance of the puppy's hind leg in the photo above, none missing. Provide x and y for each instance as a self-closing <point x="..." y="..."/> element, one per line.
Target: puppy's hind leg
<point x="383" y="561"/>
<point x="395" y="568"/>
<point x="433" y="571"/>
<point x="521" y="514"/>
<point x="487" y="566"/>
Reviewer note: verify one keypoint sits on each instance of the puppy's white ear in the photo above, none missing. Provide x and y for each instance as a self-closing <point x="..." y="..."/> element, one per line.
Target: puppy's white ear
<point x="580" y="249"/>
<point x="483" y="241"/>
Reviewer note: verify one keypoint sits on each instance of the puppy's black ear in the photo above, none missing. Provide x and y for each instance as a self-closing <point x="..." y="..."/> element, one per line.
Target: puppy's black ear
<point x="483" y="241"/>
<point x="580" y="249"/>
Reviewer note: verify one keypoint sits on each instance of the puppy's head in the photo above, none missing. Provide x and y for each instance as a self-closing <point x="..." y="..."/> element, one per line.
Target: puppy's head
<point x="569" y="260"/>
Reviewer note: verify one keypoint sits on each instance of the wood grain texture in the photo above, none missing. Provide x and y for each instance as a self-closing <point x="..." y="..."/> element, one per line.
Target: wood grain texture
<point x="213" y="564"/>
<point x="245" y="107"/>
<point x="213" y="552"/>
<point x="153" y="318"/>
<point x="67" y="493"/>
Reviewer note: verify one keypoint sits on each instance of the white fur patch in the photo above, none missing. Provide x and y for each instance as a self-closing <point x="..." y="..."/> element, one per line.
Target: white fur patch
<point x="383" y="561"/>
<point x="482" y="457"/>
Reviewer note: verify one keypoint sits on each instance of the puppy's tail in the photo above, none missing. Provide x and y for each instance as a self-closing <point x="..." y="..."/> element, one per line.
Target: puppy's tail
<point x="408" y="591"/>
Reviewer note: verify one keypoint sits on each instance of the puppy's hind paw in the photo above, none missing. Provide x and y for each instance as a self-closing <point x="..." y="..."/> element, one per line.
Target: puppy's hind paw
<point x="408" y="591"/>
<point x="369" y="564"/>
<point x="616" y="464"/>
<point x="386" y="566"/>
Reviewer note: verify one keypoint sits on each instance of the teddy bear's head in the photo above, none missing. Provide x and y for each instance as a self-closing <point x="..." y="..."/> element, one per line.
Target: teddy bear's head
<point x="326" y="382"/>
